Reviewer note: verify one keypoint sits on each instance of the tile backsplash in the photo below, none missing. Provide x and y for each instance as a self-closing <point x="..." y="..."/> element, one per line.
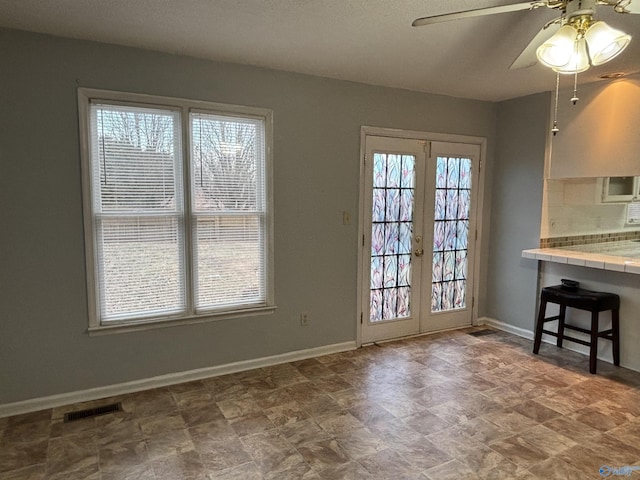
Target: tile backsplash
<point x="568" y="241"/>
<point x="573" y="207"/>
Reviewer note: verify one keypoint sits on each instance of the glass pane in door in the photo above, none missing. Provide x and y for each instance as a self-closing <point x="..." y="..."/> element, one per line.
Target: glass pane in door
<point x="391" y="232"/>
<point x="450" y="233"/>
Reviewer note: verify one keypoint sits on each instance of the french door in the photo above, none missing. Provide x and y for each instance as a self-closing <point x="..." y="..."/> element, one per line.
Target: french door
<point x="419" y="226"/>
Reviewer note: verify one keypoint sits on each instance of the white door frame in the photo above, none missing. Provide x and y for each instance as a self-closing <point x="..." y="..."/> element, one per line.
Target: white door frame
<point x="425" y="136"/>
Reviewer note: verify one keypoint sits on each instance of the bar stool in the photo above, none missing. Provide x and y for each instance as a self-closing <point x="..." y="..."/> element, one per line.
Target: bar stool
<point x="594" y="302"/>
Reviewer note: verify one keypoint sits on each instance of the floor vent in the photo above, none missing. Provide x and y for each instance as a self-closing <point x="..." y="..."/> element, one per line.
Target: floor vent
<point x="482" y="333"/>
<point x="92" y="412"/>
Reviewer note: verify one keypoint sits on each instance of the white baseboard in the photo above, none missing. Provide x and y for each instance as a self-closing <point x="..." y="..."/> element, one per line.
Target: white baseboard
<point x="505" y="327"/>
<point x="52" y="401"/>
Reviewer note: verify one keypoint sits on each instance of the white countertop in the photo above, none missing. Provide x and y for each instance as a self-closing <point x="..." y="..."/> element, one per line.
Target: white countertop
<point x="592" y="256"/>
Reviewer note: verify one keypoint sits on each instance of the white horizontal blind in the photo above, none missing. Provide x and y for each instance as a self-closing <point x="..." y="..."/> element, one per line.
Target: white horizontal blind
<point x="137" y="193"/>
<point x="228" y="211"/>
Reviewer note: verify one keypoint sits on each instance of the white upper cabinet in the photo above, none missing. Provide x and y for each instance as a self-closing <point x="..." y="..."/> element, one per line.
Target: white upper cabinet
<point x="620" y="189"/>
<point x="600" y="135"/>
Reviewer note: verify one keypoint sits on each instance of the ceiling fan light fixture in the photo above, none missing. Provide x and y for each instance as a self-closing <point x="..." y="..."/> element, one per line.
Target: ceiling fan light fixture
<point x="559" y="49"/>
<point x="579" y="61"/>
<point x="605" y="42"/>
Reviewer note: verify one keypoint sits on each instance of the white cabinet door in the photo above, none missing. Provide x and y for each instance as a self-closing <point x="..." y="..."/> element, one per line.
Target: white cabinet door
<point x="600" y="135"/>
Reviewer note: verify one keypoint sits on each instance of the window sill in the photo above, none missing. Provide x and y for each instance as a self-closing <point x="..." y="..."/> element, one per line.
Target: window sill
<point x="175" y="322"/>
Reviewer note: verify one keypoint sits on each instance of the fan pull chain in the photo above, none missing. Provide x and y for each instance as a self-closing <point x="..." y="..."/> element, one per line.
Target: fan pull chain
<point x="555" y="128"/>
<point x="575" y="98"/>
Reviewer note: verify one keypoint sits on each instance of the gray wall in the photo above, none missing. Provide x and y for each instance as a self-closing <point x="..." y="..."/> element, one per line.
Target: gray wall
<point x="516" y="209"/>
<point x="44" y="348"/>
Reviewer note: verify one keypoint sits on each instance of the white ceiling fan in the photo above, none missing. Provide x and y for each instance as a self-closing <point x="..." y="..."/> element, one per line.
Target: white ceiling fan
<point x="570" y="43"/>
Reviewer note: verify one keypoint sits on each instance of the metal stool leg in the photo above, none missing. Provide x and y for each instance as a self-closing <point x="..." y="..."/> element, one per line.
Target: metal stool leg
<point x="539" y="326"/>
<point x="615" y="335"/>
<point x="563" y="312"/>
<point x="593" y="350"/>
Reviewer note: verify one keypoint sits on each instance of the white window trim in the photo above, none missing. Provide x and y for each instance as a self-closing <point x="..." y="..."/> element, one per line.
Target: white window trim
<point x="85" y="97"/>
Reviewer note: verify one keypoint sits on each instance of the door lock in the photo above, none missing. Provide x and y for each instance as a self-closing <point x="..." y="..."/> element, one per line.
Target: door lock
<point x="418" y="252"/>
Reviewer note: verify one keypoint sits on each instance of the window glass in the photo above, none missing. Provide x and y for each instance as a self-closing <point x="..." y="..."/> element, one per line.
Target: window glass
<point x="176" y="231"/>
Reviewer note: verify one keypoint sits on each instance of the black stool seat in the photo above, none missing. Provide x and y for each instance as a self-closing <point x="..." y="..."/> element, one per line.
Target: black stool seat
<point x="581" y="299"/>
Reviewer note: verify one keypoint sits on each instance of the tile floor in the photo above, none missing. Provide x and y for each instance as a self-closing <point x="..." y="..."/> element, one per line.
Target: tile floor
<point x="449" y="406"/>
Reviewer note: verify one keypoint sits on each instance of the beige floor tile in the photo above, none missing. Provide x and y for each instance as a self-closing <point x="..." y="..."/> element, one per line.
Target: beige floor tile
<point x="152" y="425"/>
<point x="32" y="472"/>
<point x="536" y="411"/>
<point x="71" y="453"/>
<point x="452" y="470"/>
<point x="603" y="416"/>
<point x="186" y="466"/>
<point x="485" y="461"/>
<point x="233" y="408"/>
<point x="84" y="472"/>
<point x="556" y="469"/>
<point x="628" y="433"/>
<point x="247" y="471"/>
<point x="545" y="440"/>
<point x="481" y="430"/>
<point x="370" y="413"/>
<point x="169" y="442"/>
<point x="271" y="398"/>
<point x="324" y="454"/>
<point x="271" y="451"/>
<point x="517" y="450"/>
<point x="223" y="455"/>
<point x="510" y="421"/>
<point x="286" y="414"/>
<point x="302" y="432"/>
<point x="252" y="423"/>
<point x="193" y="399"/>
<point x="422" y="455"/>
<point x="117" y="457"/>
<point x="452" y="412"/>
<point x="571" y="428"/>
<point x="346" y="471"/>
<point x="199" y="415"/>
<point x="390" y="464"/>
<point x="453" y="441"/>
<point x="337" y="423"/>
<point x="118" y="432"/>
<point x="360" y="443"/>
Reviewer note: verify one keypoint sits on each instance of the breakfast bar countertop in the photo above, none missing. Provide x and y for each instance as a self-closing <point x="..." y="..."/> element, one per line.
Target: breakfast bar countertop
<point x="615" y="256"/>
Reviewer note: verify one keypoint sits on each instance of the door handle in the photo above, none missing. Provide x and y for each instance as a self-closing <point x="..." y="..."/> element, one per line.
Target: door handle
<point x="418" y="252"/>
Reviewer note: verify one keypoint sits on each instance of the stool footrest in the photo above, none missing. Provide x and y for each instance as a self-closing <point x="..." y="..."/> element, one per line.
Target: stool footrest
<point x="577" y="329"/>
<point x="608" y="334"/>
<point x="566" y="337"/>
<point x="576" y="340"/>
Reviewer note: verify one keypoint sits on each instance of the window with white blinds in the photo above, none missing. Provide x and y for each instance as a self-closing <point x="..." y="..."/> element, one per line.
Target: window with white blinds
<point x="178" y="212"/>
<point x="228" y="210"/>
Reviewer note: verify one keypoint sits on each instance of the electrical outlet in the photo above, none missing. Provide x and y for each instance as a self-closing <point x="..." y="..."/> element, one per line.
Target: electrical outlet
<point x="304" y="319"/>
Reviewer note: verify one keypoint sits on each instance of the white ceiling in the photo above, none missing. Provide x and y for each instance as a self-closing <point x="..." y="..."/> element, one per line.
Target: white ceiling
<point x="368" y="41"/>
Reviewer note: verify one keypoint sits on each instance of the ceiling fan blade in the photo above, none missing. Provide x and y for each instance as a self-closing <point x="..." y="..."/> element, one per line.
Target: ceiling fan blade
<point x="479" y="12"/>
<point x="527" y="57"/>
<point x="627" y="6"/>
